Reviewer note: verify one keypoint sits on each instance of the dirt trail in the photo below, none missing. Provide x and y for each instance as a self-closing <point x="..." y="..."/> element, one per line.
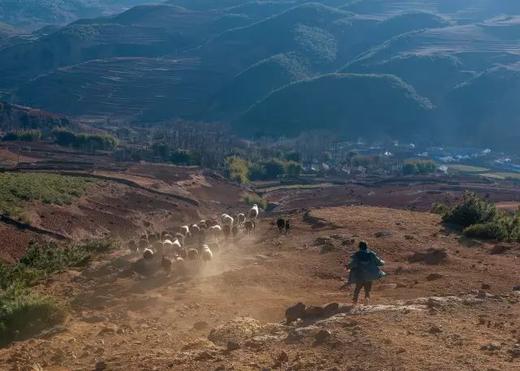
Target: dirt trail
<point x="121" y="321"/>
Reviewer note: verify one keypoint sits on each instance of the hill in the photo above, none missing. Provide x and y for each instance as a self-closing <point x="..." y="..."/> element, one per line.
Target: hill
<point x="373" y="106"/>
<point x="208" y="61"/>
<point x="33" y="14"/>
<point x="485" y="108"/>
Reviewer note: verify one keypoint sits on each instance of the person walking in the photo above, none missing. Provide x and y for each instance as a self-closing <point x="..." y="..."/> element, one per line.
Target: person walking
<point x="364" y="268"/>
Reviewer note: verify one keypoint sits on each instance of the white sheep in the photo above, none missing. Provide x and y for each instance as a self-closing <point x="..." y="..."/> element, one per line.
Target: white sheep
<point x="148" y="254"/>
<point x="253" y="212"/>
<point x="185" y="230"/>
<point x="207" y="255"/>
<point x="227" y="220"/>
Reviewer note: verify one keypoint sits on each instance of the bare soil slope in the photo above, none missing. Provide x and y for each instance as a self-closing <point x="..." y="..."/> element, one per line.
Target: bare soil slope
<point x="456" y="312"/>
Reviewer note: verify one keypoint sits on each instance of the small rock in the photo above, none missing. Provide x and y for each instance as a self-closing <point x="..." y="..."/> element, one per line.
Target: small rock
<point x="492" y="347"/>
<point x="500" y="249"/>
<point x="330" y="309"/>
<point x="485" y="286"/>
<point x="282" y="358"/>
<point x="322" y="336"/>
<point x="515" y="352"/>
<point x="100" y="366"/>
<point x="295" y="312"/>
<point x="314" y="312"/>
<point x="434" y="277"/>
<point x="232" y="345"/>
<point x="382" y="234"/>
<point x="435" y="330"/>
<point x="516" y="288"/>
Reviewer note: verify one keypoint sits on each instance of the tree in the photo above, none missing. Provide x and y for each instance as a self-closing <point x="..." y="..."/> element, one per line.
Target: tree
<point x="274" y="169"/>
<point x="293" y="169"/>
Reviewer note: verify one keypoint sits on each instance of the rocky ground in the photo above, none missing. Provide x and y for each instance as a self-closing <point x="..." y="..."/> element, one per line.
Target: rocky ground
<point x="446" y="304"/>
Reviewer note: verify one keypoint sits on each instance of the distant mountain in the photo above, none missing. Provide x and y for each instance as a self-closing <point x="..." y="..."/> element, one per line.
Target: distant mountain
<point x="349" y="104"/>
<point x="263" y="65"/>
<point x="485" y="109"/>
<point x="33" y="14"/>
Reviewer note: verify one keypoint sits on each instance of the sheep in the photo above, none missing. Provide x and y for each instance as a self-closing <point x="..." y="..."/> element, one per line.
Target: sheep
<point x="193" y="254"/>
<point x="148" y="254"/>
<point x="253" y="212"/>
<point x="180" y="266"/>
<point x="185" y="230"/>
<point x="207" y="255"/>
<point x="183" y="253"/>
<point x="241" y="218"/>
<point x="226" y="230"/>
<point x="180" y="237"/>
<point x="157" y="246"/>
<point x="234" y="231"/>
<point x="227" y="219"/>
<point x="211" y="222"/>
<point x="143" y="244"/>
<point x="284" y="225"/>
<point x="203" y="225"/>
<point x="249" y="226"/>
<point x="132" y="246"/>
<point x="166" y="265"/>
<point x="195" y="229"/>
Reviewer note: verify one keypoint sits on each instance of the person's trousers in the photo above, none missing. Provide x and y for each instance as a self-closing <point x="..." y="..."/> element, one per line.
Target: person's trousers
<point x="362" y="285"/>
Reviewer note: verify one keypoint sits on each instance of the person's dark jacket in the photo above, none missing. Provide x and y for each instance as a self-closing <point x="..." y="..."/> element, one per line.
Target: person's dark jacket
<point x="364" y="267"/>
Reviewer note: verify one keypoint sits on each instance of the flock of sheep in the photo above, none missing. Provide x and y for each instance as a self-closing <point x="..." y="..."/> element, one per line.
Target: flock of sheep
<point x="196" y="242"/>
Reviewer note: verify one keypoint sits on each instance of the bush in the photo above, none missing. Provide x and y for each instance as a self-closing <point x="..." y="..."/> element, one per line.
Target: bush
<point x="419" y="167"/>
<point x="472" y="210"/>
<point x="91" y="142"/>
<point x="23" y="135"/>
<point x="487" y="231"/>
<point x="24" y="314"/>
<point x="440" y="208"/>
<point x="253" y="198"/>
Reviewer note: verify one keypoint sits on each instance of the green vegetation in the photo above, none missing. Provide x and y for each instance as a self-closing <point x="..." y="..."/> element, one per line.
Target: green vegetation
<point x="419" y="167"/>
<point x="481" y="219"/>
<point x="244" y="171"/>
<point x="24" y="313"/>
<point x="467" y="168"/>
<point x="253" y="198"/>
<point x="502" y="175"/>
<point x="90" y="142"/>
<point x="23" y="136"/>
<point x="16" y="188"/>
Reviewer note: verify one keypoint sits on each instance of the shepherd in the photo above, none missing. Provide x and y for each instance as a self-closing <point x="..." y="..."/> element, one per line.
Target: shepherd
<point x="364" y="268"/>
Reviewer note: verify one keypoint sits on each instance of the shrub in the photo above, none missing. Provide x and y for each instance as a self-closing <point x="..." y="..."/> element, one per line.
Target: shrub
<point x="293" y="169"/>
<point x="23" y="135"/>
<point x="253" y="198"/>
<point x="472" y="210"/>
<point x="419" y="167"/>
<point x="92" y="142"/>
<point x="440" y="208"/>
<point x="274" y="169"/>
<point x="24" y="314"/>
<point x="487" y="231"/>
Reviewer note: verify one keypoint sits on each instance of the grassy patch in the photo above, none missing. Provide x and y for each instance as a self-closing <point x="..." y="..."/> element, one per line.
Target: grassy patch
<point x="467" y="168"/>
<point x="253" y="198"/>
<point x="24" y="313"/>
<point x="17" y="188"/>
<point x="502" y="176"/>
